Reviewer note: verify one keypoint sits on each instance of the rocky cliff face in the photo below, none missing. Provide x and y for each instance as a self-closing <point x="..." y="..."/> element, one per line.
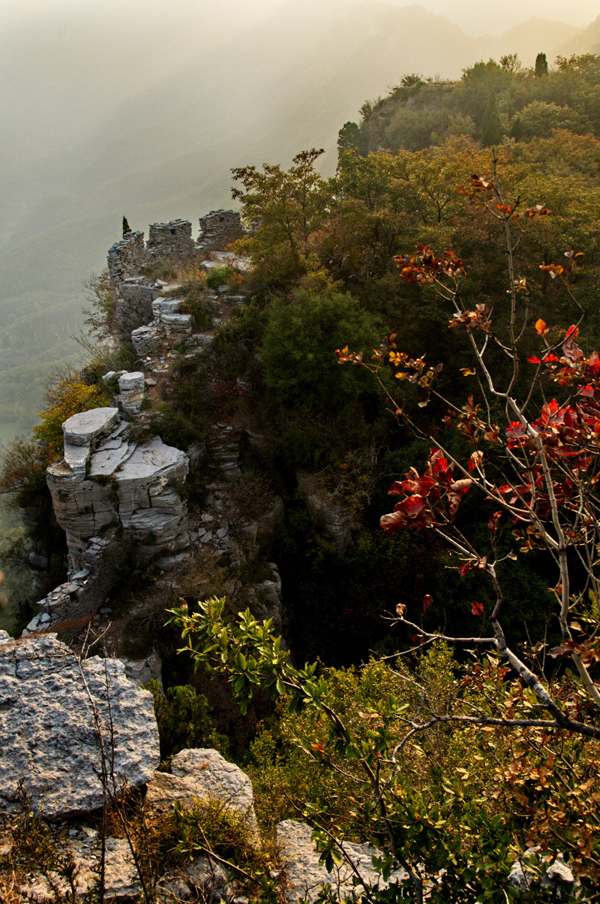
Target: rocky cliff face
<point x="117" y="501"/>
<point x="117" y="497"/>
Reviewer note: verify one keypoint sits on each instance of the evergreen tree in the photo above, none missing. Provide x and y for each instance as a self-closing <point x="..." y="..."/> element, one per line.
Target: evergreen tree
<point x="348" y="137"/>
<point x="491" y="132"/>
<point x="541" y="65"/>
<point x="126" y="227"/>
<point x="516" y="130"/>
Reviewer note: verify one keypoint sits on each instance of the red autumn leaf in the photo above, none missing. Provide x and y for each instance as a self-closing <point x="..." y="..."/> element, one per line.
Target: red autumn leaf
<point x="427" y="602"/>
<point x="493" y="522"/>
<point x="534" y="360"/>
<point x="392" y="523"/>
<point x="571" y="350"/>
<point x="412" y="506"/>
<point x="477" y="608"/>
<point x="515" y="429"/>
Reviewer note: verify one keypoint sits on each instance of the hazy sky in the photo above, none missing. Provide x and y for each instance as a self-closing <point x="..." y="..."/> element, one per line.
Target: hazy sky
<point x="475" y="16"/>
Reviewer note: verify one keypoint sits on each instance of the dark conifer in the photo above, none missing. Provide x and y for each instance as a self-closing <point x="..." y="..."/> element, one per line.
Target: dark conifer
<point x="516" y="130"/>
<point x="541" y="65"/>
<point x="491" y="132"/>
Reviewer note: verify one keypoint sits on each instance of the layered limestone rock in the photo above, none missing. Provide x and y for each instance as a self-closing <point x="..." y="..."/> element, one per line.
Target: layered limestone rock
<point x="106" y="482"/>
<point x="63" y="721"/>
<point x="149" y="505"/>
<point x="132" y="392"/>
<point x="167" y="328"/>
<point x="133" y="304"/>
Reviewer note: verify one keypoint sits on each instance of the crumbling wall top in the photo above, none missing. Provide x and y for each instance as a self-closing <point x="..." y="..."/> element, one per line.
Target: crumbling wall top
<point x="127" y="257"/>
<point x="173" y="239"/>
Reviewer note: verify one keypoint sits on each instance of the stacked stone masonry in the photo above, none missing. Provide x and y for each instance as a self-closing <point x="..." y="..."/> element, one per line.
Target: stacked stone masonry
<point x="218" y="225"/>
<point x="172" y="239"/>
<point x="127" y="257"/>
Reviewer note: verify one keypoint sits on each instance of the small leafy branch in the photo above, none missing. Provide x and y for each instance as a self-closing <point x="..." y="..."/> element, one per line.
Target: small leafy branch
<point x="445" y="831"/>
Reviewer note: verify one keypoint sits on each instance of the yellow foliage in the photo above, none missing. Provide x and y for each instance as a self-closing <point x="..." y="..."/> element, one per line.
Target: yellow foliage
<point x="70" y="396"/>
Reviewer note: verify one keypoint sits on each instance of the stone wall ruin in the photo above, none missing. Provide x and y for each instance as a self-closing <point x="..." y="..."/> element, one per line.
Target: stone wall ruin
<point x="217" y="226"/>
<point x="128" y="257"/>
<point x="172" y="239"/>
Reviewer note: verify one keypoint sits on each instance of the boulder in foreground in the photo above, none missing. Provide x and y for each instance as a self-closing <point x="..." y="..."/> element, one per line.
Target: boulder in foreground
<point x="56" y="715"/>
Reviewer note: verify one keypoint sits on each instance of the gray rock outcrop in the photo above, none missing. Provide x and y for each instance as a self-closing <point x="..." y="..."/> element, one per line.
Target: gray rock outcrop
<point x="105" y="481"/>
<point x="61" y="719"/>
<point x="264" y="599"/>
<point x="133" y="305"/>
<point x="306" y="876"/>
<point x="200" y="775"/>
<point x="121" y="878"/>
<point x="556" y="875"/>
<point x="167" y="328"/>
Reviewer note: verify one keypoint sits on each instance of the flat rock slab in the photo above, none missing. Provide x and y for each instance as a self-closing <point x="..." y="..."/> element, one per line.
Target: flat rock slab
<point x="53" y="714"/>
<point x="84" y="427"/>
<point x="306" y="876"/>
<point x="200" y="775"/>
<point x="110" y="457"/>
<point x="76" y="456"/>
<point x="132" y="381"/>
<point x="150" y="460"/>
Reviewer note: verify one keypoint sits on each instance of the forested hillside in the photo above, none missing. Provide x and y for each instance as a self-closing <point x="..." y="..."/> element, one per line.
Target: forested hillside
<point x="420" y="326"/>
<point x="492" y="101"/>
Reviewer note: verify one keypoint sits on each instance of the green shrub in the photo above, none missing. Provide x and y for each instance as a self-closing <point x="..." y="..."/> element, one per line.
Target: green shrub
<point x="174" y="428"/>
<point x="219" y="276"/>
<point x="191" y="292"/>
<point x="183" y="718"/>
<point x="299" y="345"/>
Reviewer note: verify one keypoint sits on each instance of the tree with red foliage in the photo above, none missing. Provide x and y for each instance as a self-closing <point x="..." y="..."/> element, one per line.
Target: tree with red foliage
<point x="537" y="465"/>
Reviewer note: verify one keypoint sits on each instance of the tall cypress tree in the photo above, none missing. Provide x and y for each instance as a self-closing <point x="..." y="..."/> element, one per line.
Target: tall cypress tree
<point x="516" y="130"/>
<point x="541" y="65"/>
<point x="491" y="132"/>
